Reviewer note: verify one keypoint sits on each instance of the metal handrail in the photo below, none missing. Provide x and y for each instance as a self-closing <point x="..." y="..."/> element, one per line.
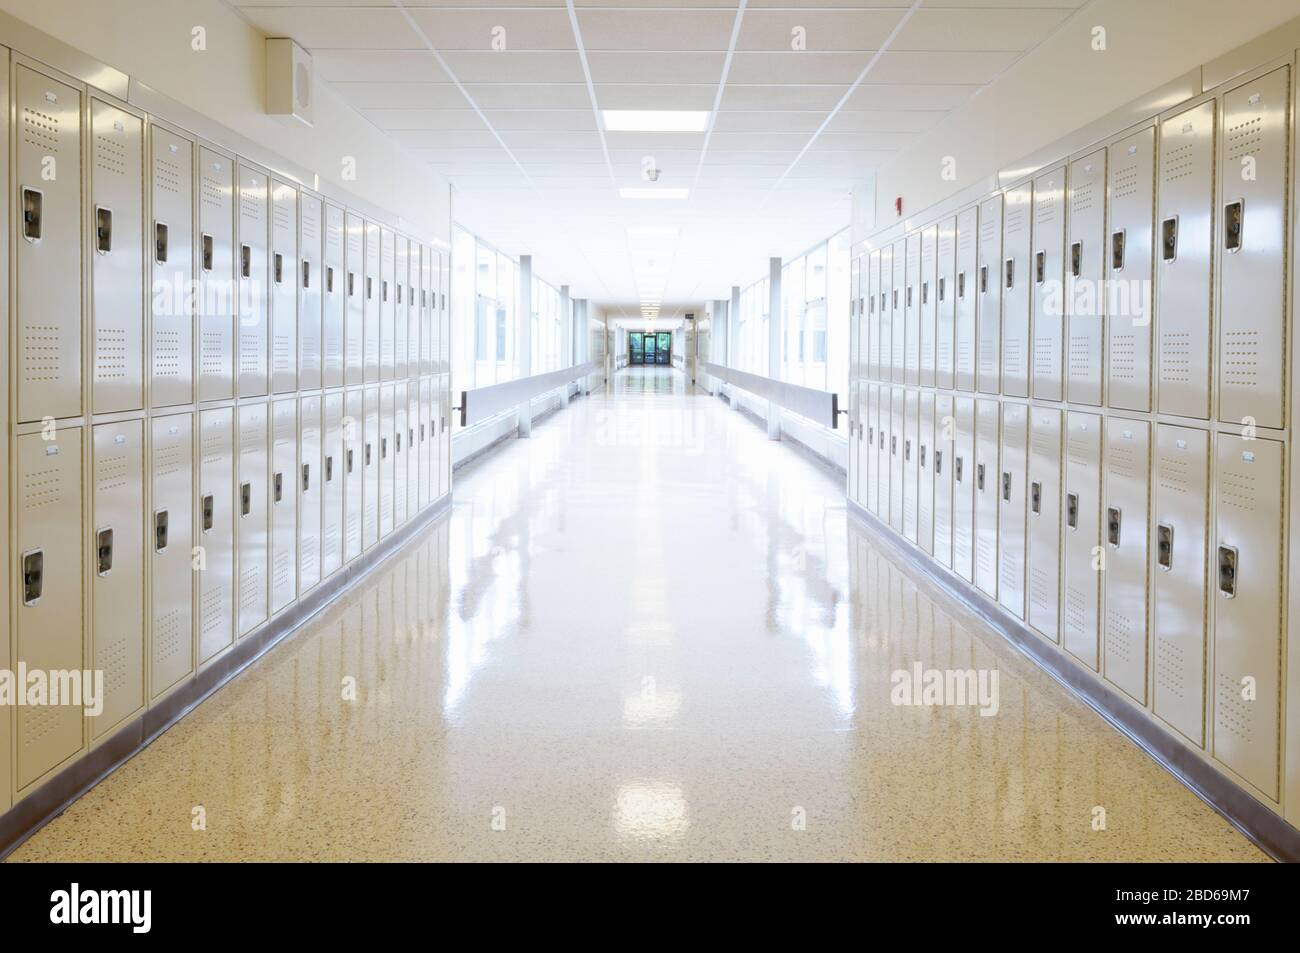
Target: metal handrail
<point x="480" y="403"/>
<point x="821" y="406"/>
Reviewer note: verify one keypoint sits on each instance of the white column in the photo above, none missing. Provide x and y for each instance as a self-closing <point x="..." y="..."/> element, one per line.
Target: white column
<point x="564" y="324"/>
<point x="774" y="329"/>
<point x="732" y="358"/>
<point x="524" y="334"/>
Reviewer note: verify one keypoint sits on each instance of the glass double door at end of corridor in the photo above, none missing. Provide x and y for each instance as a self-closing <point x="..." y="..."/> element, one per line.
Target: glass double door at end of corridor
<point x="649" y="347"/>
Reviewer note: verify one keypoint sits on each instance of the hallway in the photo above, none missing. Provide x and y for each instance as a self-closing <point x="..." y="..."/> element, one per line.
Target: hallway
<point x="647" y="632"/>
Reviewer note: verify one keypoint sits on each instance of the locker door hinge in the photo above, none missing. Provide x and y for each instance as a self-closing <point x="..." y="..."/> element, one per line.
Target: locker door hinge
<point x="209" y="512"/>
<point x="103" y="230"/>
<point x="104" y="551"/>
<point x="1165" y="546"/>
<point x="1228" y="571"/>
<point x="33" y="576"/>
<point x="160" y="531"/>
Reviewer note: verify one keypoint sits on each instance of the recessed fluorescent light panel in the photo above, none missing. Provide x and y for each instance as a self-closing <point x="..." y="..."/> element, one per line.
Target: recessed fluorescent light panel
<point x="631" y="193"/>
<point x="655" y="120"/>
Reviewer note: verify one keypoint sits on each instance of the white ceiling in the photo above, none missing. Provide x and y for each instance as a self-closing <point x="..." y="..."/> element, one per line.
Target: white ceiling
<point x="517" y="133"/>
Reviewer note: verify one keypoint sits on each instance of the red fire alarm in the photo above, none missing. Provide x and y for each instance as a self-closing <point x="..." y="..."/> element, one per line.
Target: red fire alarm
<point x="898" y="206"/>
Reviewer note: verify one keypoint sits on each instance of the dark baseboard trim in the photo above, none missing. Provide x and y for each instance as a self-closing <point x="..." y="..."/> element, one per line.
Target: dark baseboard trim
<point x="52" y="798"/>
<point x="1266" y="828"/>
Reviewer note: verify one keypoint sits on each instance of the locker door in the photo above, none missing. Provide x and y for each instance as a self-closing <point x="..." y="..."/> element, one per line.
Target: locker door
<point x="989" y="297"/>
<point x="873" y="316"/>
<point x="911" y="408"/>
<point x="310" y="280"/>
<point x="944" y="429"/>
<point x="332" y="482"/>
<point x="251" y="268"/>
<point x="1182" y="494"/>
<point x="428" y="304"/>
<point x="387" y="304"/>
<point x="386" y="461"/>
<point x="117" y="564"/>
<point x="171" y="541"/>
<point x="1011" y="509"/>
<point x="252" y="525"/>
<point x="1252" y="241"/>
<point x="444" y="347"/>
<point x="929" y="304"/>
<point x="885" y="327"/>
<point x="912" y="311"/>
<point x="49" y="612"/>
<point x="898" y="312"/>
<point x="963" y="489"/>
<point x="1085" y="267"/>
<point x="1184" y="263"/>
<point x="896" y="469"/>
<point x="216" y="304"/>
<point x="1246" y="569"/>
<point x="870" y="459"/>
<point x="1130" y="199"/>
<point x="964" y="331"/>
<point x="945" y="332"/>
<point x="987" y="438"/>
<point x="284" y="287"/>
<point x="413" y="448"/>
<point x="925" y="469"/>
<point x="1124" y="524"/>
<point x="1044" y="519"/>
<point x="851" y="464"/>
<point x="172" y="244"/>
<point x="353" y="473"/>
<point x="1082" y="535"/>
<point x="1014" y="276"/>
<point x="401" y="281"/>
<point x="400" y="456"/>
<point x="334" y="299"/>
<point x="884" y="469"/>
<point x="414" y="284"/>
<point x="116" y="260"/>
<point x="426" y="443"/>
<point x="284" y="503"/>
<point x="865" y="443"/>
<point x="354" y="291"/>
<point x="310" y="475"/>
<point x="47" y="260"/>
<point x="218" y="504"/>
<point x="373" y="303"/>
<point x="370" y="471"/>
<point x="1048" y="296"/>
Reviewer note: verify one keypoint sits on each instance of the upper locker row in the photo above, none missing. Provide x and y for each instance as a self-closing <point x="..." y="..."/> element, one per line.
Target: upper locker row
<point x="321" y="296"/>
<point x="1045" y="290"/>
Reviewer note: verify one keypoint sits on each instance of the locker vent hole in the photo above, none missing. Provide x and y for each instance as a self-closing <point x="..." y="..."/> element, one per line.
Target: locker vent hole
<point x="250" y="588"/>
<point x="283" y="215"/>
<point x="1080" y="356"/>
<point x="1045" y="210"/>
<point x="42" y="353"/>
<point x="1232" y="713"/>
<point x="43" y="488"/>
<point x="1245" y="138"/>
<point x="212" y="192"/>
<point x="111" y="472"/>
<point x="1175" y="357"/>
<point x="169" y="459"/>
<point x="167" y="175"/>
<point x="283" y="573"/>
<point x="1081" y="198"/>
<point x="1076" y="610"/>
<point x="110" y="155"/>
<point x="1238" y="489"/>
<point x="213" y="354"/>
<point x="212" y="609"/>
<point x="41" y="130"/>
<point x="1122" y="638"/>
<point x="1042" y="591"/>
<point x="1241" y="358"/>
<point x="1123" y="356"/>
<point x="1125" y="182"/>
<point x="251" y="209"/>
<point x="166" y="353"/>
<point x="113" y="660"/>
<point x="1173" y="474"/>
<point x="167" y="641"/>
<point x="110" y="354"/>
<point x="38" y="722"/>
<point x="1172" y="666"/>
<point x="1180" y="162"/>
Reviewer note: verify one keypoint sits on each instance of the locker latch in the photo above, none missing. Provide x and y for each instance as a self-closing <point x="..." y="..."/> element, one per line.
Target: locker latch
<point x="367" y="460"/>
<point x="909" y="296"/>
<point x="1006" y="487"/>
<point x="1035" y="497"/>
<point x="33" y="576"/>
<point x="278" y="484"/>
<point x="306" y="274"/>
<point x="938" y="462"/>
<point x="352" y="285"/>
<point x="246" y="261"/>
<point x="103" y="229"/>
<point x="424" y="298"/>
<point x="205" y="240"/>
<point x="942" y="287"/>
<point x="245" y="499"/>
<point x="329" y="279"/>
<point x="1076" y="259"/>
<point x="1117" y="250"/>
<point x="907" y="451"/>
<point x="925" y="292"/>
<point x="893" y="445"/>
<point x="984" y="279"/>
<point x="883" y="300"/>
<point x="104" y="551"/>
<point x="961" y="285"/>
<point x="1040" y="267"/>
<point x="1228" y="571"/>
<point x="160" y="242"/>
<point x="894" y="298"/>
<point x="399" y="292"/>
<point x="160" y="530"/>
<point x="421" y="432"/>
<point x="349" y="459"/>
<point x="957" y="470"/>
<point x="410" y="437"/>
<point x="209" y="512"/>
<point x="1113" y="516"/>
<point x="1232" y="225"/>
<point x="1165" y="546"/>
<point x="1010" y="268"/>
<point x="871" y="305"/>
<point x="1072" y="510"/>
<point x="1169" y="238"/>
<point x="922" y="457"/>
<point x="882" y="440"/>
<point x="383" y="287"/>
<point x="306" y="477"/>
<point x="383" y="448"/>
<point x="33" y="202"/>
<point x="398" y="436"/>
<point x="329" y="469"/>
<point x="279" y="268"/>
<point x="979" y="477"/>
<point x="370" y="288"/>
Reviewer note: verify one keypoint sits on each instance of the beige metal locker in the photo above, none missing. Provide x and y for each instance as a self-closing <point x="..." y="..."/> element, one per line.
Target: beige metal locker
<point x="387" y="304"/>
<point x="1246" y="569"/>
<point x="963" y="488"/>
<point x="1043" y="538"/>
<point x="875" y="304"/>
<point x="864" y="446"/>
<point x="896" y="431"/>
<point x="253" y="280"/>
<point x="386" y="460"/>
<point x="1047" y="298"/>
<point x="910" y="454"/>
<point x="925" y="471"/>
<point x="1014" y="274"/>
<point x="400" y="445"/>
<point x="414" y="309"/>
<point x="370" y="528"/>
<point x="252" y="527"/>
<point x="1253" y="231"/>
<point x="427" y="476"/>
<point x="944" y="446"/>
<point x="912" y="311"/>
<point x="851" y="465"/>
<point x="987" y="495"/>
<point x="428" y="303"/>
<point x="373" y="303"/>
<point x="117" y="570"/>
<point x="47" y="264"/>
<point x="218" y="504"/>
<point x="1011" y="508"/>
<point x="989" y="281"/>
<point x="1130" y="199"/>
<point x="171" y="542"/>
<point x="1084" y="271"/>
<point x="285" y="477"/>
<point x="309" y="493"/>
<point x="311" y="227"/>
<point x="1082" y="546"/>
<point x="1184" y="263"/>
<point x="354" y="291"/>
<point x="401" y="320"/>
<point x="945" y="332"/>
<point x="885" y="322"/>
<point x="444" y="347"/>
<point x="883" y="468"/>
<point x="1124" y="524"/>
<point x="354" y="452"/>
<point x="216" y="299"/>
<point x="333" y="291"/>
<point x="49" y="618"/>
<point x="414" y="447"/>
<point x="929" y="303"/>
<point x="964" y="330"/>
<point x="332" y="481"/>
<point x="284" y="287"/>
<point x="898" y="312"/>
<point x="1178" y="627"/>
<point x="116" y="259"/>
<point x="171" y="347"/>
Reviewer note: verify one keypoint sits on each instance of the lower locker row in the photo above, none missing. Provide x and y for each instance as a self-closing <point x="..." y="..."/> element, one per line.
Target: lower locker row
<point x="1151" y="552"/>
<point x="195" y="533"/>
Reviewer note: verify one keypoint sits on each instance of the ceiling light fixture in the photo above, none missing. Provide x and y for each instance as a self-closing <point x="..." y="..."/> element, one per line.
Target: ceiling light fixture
<point x="655" y="120"/>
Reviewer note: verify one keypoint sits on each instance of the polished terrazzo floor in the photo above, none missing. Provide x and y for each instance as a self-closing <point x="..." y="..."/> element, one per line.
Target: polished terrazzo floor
<point x="646" y="633"/>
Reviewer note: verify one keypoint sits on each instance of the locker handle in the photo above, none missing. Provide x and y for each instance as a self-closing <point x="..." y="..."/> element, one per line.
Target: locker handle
<point x="909" y="296"/>
<point x="938" y="462"/>
<point x="922" y="458"/>
<point x="421" y="432"/>
<point x="979" y="477"/>
<point x="278" y="484"/>
<point x="103" y="229"/>
<point x="907" y="451"/>
<point x="160" y="242"/>
<point x="410" y="436"/>
<point x="1117" y="249"/>
<point x="893" y="445"/>
<point x="893" y="299"/>
<point x="206" y="241"/>
<point x="329" y="279"/>
<point x="424" y="298"/>
<point x="957" y="470"/>
<point x="370" y="288"/>
<point x="942" y="287"/>
<point x="984" y="279"/>
<point x="860" y="429"/>
<point x="245" y="499"/>
<point x="329" y="469"/>
<point x="306" y="274"/>
<point x="1035" y="497"/>
<point x="160" y="531"/>
<point x="367" y="460"/>
<point x="399" y="292"/>
<point x="398" y="447"/>
<point x="883" y="299"/>
<point x="1006" y="487"/>
<point x="1113" y="517"/>
<point x="209" y="512"/>
<point x="383" y="290"/>
<point x="1165" y="546"/>
<point x="246" y="261"/>
<point x="33" y="203"/>
<point x="352" y="286"/>
<point x="1233" y="215"/>
<point x="961" y="285"/>
<point x="1228" y="571"/>
<point x="1010" y="268"/>
<point x="306" y="477"/>
<point x="1169" y="238"/>
<point x="279" y="268"/>
<point x="1076" y="259"/>
<point x="1072" y="510"/>
<point x="104" y="551"/>
<point x="349" y="459"/>
<point x="1040" y="267"/>
<point x="871" y="305"/>
<point x="383" y="448"/>
<point x="925" y="292"/>
<point x="33" y="576"/>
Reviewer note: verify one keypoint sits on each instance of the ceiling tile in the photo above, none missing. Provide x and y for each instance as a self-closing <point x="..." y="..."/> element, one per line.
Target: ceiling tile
<point x="759" y="120"/>
<point x="530" y="95"/>
<point x="656" y="67"/>
<point x="782" y="97"/>
<point x="809" y="66"/>
<point x="656" y="29"/>
<point x="910" y="95"/>
<point x="519" y="30"/>
<point x="401" y="95"/>
<point x="394" y="119"/>
<point x="446" y="138"/>
<point x="821" y="29"/>
<point x="656" y="96"/>
<point x="515" y="67"/>
<point x="994" y="29"/>
<point x="575" y="120"/>
<point x="886" y="120"/>
<point x="954" y="67"/>
<point x="386" y="67"/>
<point x="540" y="139"/>
<point x="360" y="28"/>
